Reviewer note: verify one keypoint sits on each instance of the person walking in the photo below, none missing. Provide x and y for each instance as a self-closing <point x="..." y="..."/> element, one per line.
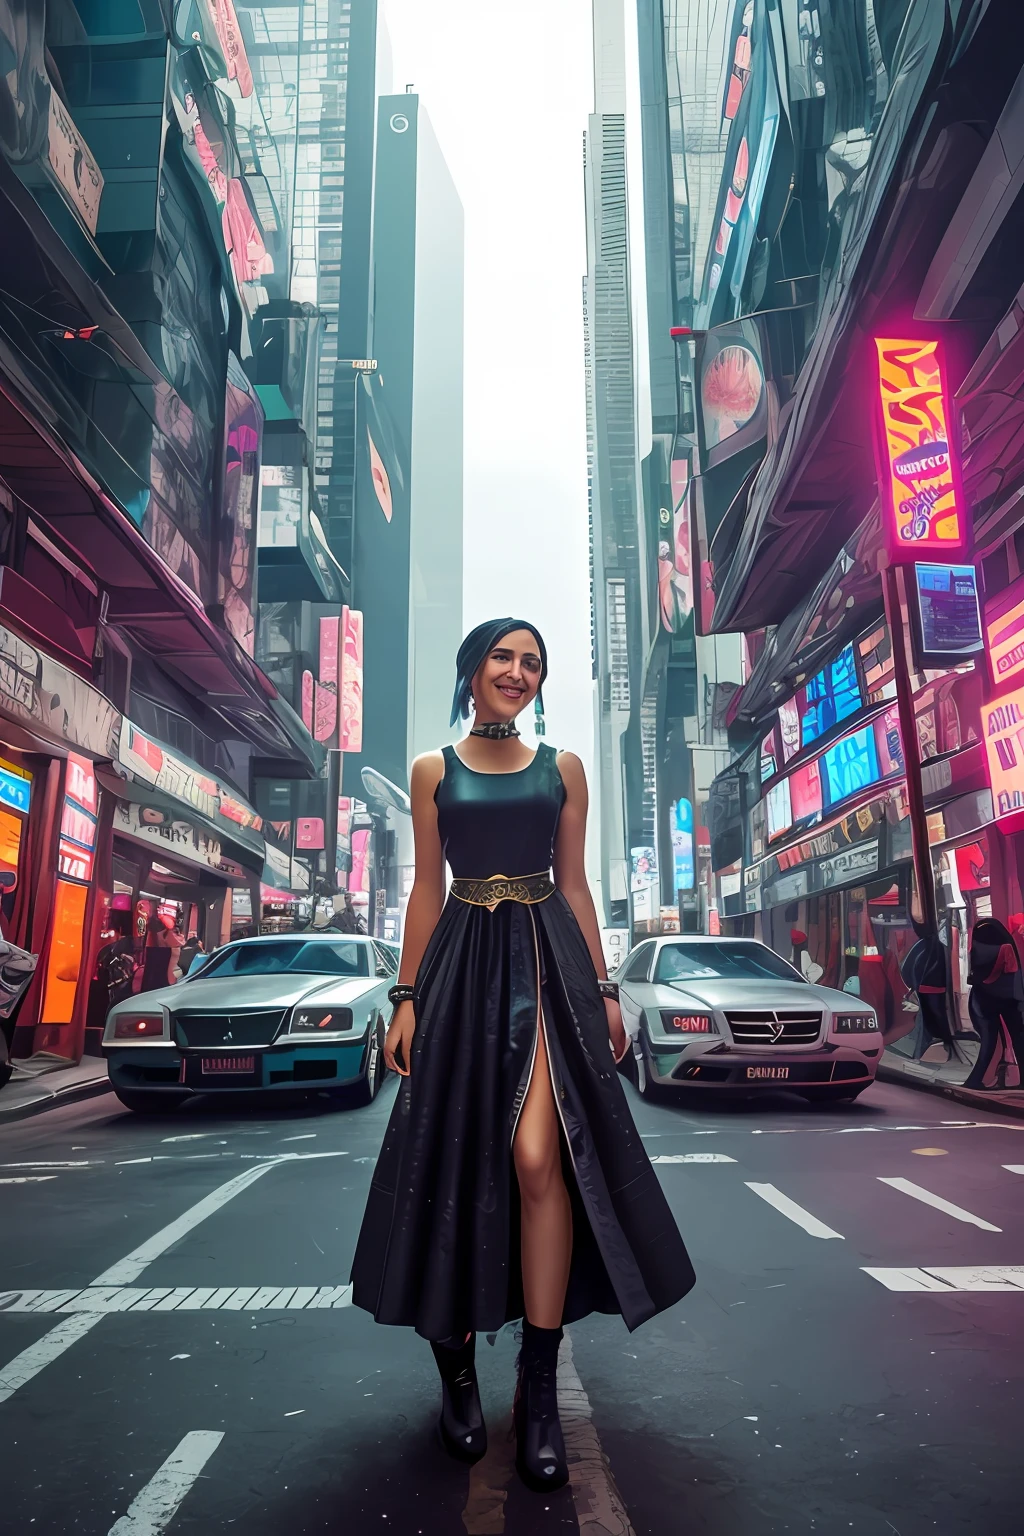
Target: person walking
<point x="512" y="1182"/>
<point x="995" y="1002"/>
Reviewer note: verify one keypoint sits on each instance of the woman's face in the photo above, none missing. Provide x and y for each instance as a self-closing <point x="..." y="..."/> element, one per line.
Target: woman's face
<point x="508" y="678"/>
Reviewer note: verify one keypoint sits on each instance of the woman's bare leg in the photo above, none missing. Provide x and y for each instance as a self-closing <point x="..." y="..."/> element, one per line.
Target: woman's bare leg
<point x="546" y="1219"/>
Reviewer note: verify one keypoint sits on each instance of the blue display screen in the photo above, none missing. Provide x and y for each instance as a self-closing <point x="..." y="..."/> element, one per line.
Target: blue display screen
<point x="851" y="765"/>
<point x="15" y="791"/>
<point x="830" y="696"/>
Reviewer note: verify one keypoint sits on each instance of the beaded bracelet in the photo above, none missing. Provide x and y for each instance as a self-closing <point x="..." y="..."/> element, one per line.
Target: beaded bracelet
<point x="401" y="994"/>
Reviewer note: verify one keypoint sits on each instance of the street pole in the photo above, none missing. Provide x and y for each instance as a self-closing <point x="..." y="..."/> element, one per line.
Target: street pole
<point x="894" y="590"/>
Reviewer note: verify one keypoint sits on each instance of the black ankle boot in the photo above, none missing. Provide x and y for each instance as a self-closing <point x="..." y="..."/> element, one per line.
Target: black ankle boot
<point x="540" y="1449"/>
<point x="461" y="1424"/>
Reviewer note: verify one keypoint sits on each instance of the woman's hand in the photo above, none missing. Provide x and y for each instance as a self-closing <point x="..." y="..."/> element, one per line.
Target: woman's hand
<point x="399" y="1038"/>
<point x="616" y="1029"/>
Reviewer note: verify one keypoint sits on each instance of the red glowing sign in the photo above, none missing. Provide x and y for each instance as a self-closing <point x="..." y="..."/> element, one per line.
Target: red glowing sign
<point x="917" y="466"/>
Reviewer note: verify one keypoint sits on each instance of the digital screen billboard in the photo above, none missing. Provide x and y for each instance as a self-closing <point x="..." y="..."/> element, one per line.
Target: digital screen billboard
<point x="682" y="845"/>
<point x="850" y="766"/>
<point x="921" y="495"/>
<point x="948" y="616"/>
<point x="769" y="756"/>
<point x="805" y="792"/>
<point x="779" y="809"/>
<point x="830" y="696"/>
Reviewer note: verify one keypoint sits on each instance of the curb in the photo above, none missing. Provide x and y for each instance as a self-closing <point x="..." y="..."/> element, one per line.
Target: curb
<point x="992" y="1102"/>
<point x="54" y="1099"/>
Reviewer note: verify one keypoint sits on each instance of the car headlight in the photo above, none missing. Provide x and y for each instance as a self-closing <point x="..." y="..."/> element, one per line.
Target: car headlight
<point x="317" y="1021"/>
<point x="687" y="1023"/>
<point x="138" y="1026"/>
<point x="854" y="1023"/>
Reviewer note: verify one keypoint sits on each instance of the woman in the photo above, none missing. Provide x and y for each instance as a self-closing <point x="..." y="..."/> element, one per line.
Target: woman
<point x="511" y="1182"/>
<point x="995" y="1007"/>
<point x="163" y="946"/>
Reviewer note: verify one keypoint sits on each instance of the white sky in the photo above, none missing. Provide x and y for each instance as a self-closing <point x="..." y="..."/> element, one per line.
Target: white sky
<point x="508" y="87"/>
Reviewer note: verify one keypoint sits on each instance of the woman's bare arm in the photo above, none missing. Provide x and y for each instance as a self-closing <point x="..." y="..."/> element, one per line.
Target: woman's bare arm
<point x="569" y="865"/>
<point x="425" y="900"/>
<point x="571" y="880"/>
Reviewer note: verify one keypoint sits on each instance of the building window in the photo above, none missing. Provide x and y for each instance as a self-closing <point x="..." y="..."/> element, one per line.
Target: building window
<point x="618" y="652"/>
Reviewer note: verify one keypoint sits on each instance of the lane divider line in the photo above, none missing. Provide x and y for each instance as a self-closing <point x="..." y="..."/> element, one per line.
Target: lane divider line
<point x="599" y="1506"/>
<point x="956" y="1277"/>
<point x="155" y="1505"/>
<point x="796" y="1213"/>
<point x="131" y="1266"/>
<point x="1014" y="1167"/>
<point x="915" y="1191"/>
<point x="43" y="1352"/>
<point x="694" y="1157"/>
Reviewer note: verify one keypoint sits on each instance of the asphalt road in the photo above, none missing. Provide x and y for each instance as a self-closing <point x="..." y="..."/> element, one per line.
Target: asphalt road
<point x="794" y="1390"/>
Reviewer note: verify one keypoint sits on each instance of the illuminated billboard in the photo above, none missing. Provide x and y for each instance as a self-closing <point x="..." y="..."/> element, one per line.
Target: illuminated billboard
<point x="682" y="845"/>
<point x="350" y="727"/>
<point x="1004" y="634"/>
<point x="947" y="618"/>
<point x="1002" y="724"/>
<point x="919" y="486"/>
<point x="830" y="696"/>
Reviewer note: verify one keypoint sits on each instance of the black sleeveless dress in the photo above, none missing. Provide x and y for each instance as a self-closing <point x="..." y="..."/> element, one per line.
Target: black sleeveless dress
<point x="439" y="1245"/>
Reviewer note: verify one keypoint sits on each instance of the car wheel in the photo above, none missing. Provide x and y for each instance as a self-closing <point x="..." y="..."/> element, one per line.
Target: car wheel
<point x="142" y="1102"/>
<point x="359" y="1095"/>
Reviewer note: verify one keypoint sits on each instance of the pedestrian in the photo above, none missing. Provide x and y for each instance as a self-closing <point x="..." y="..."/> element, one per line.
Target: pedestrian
<point x="995" y="1002"/>
<point x="163" y="946"/>
<point x="483" y="1208"/>
<point x="924" y="972"/>
<point x="348" y="919"/>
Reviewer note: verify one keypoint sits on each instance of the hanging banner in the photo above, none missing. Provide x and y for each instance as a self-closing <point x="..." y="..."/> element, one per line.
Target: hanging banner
<point x="350" y="733"/>
<point x="918" y="475"/>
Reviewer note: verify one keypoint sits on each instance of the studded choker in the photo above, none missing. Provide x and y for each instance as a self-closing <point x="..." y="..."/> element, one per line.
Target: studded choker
<point x="495" y="730"/>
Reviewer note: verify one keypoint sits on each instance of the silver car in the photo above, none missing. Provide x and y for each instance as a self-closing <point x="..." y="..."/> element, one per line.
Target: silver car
<point x="730" y="1015"/>
<point x="287" y="1011"/>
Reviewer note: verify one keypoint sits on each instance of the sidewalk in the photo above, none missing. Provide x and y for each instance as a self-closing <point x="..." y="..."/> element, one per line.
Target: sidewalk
<point x="946" y="1078"/>
<point x="39" y="1084"/>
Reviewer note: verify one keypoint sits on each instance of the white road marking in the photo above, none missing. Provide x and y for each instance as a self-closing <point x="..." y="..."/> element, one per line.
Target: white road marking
<point x="599" y="1506"/>
<point x="306" y="1136"/>
<point x="131" y="1266"/>
<point x="993" y="1277"/>
<point x="1014" y="1167"/>
<point x="192" y="1136"/>
<point x="695" y="1157"/>
<point x="102" y="1299"/>
<point x="796" y="1213"/>
<point x="30" y="1178"/>
<point x="51" y="1163"/>
<point x="155" y="1505"/>
<point x="45" y="1350"/>
<point x="927" y="1198"/>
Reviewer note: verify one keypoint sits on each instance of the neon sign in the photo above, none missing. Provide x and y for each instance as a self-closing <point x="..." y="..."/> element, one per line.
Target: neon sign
<point x="916" y="463"/>
<point x="1002" y="724"/>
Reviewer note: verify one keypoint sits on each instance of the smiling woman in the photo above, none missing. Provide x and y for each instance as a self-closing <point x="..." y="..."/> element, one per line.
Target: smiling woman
<point x="511" y="1181"/>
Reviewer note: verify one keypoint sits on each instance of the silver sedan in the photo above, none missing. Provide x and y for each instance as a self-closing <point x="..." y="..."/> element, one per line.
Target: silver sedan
<point x="723" y="1015"/>
<point x="287" y="1011"/>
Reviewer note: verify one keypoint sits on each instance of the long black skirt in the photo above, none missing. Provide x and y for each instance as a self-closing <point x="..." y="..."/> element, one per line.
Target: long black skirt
<point x="438" y="1250"/>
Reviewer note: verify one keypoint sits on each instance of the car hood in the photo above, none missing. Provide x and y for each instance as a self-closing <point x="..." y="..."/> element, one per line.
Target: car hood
<point x="217" y="994"/>
<point x="729" y="993"/>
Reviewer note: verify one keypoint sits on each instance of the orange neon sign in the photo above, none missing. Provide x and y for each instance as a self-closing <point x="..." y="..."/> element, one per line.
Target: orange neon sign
<point x="917" y="469"/>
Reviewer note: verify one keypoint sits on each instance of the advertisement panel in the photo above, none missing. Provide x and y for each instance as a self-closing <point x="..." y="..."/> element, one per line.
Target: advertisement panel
<point x="830" y="696"/>
<point x="1002" y="725"/>
<point x="918" y="476"/>
<point x="243" y="433"/>
<point x="350" y="731"/>
<point x="675" y="575"/>
<point x="77" y="845"/>
<point x="1004" y="634"/>
<point x="682" y="845"/>
<point x="325" y="719"/>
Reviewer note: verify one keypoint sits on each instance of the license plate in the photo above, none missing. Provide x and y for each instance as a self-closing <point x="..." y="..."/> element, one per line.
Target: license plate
<point x="220" y="1064"/>
<point x="775" y="1074"/>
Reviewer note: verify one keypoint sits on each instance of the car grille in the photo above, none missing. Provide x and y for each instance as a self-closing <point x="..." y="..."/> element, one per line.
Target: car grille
<point x="778" y="1028"/>
<point x="230" y="1029"/>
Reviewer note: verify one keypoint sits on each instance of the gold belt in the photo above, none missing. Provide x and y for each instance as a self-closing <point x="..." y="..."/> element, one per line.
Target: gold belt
<point x="488" y="893"/>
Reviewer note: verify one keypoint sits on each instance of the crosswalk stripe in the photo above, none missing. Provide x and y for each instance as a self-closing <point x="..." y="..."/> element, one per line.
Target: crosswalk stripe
<point x="1014" y="1167"/>
<point x="796" y="1213"/>
<point x="43" y="1352"/>
<point x="695" y="1157"/>
<point x="154" y="1506"/>
<point x="916" y="1192"/>
<point x="100" y="1300"/>
<point x="956" y="1277"/>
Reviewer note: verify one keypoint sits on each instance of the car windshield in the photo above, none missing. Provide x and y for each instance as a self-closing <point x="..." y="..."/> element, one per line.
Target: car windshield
<point x="282" y="956"/>
<point x="730" y="962"/>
